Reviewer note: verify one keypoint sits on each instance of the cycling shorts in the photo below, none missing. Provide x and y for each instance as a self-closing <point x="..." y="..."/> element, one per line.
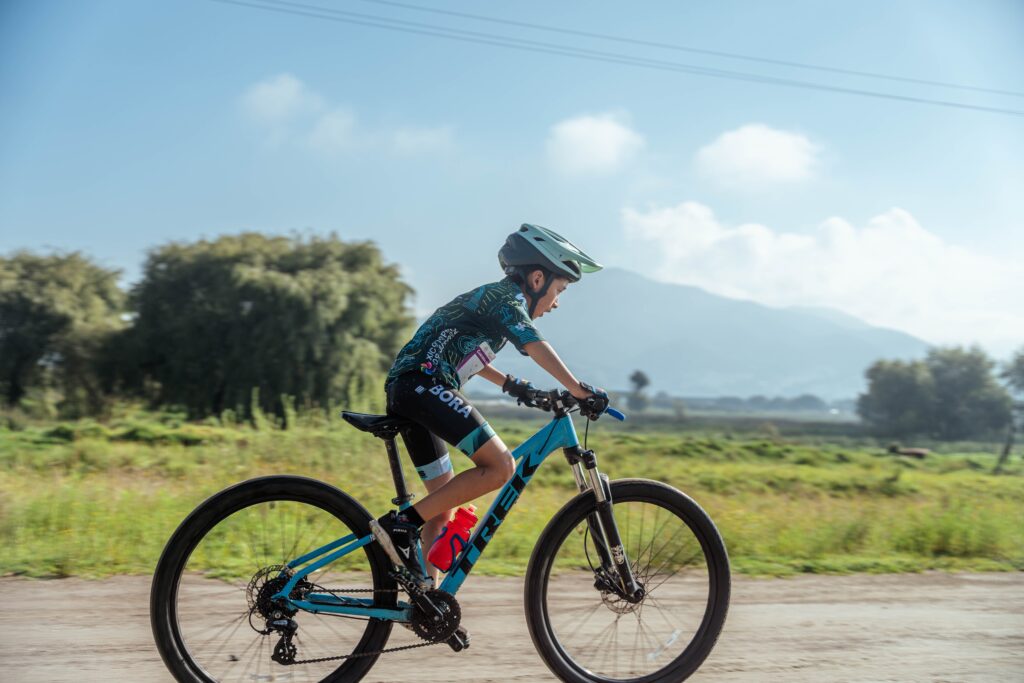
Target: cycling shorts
<point x="438" y="413"/>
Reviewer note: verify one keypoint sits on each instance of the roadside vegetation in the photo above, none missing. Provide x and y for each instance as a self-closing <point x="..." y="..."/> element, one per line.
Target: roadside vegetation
<point x="94" y="499"/>
<point x="238" y="347"/>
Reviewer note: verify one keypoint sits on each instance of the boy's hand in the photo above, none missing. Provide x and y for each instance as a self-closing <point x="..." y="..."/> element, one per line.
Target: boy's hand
<point x="520" y="389"/>
<point x="594" y="403"/>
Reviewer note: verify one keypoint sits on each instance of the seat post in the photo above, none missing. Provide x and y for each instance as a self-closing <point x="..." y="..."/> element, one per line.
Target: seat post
<point x="403" y="498"/>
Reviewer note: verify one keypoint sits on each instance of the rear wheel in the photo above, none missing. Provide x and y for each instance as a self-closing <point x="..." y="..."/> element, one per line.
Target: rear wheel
<point x="210" y="601"/>
<point x="588" y="634"/>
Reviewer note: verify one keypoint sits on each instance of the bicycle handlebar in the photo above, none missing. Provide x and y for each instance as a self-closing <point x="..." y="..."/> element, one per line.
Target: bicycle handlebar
<point x="549" y="400"/>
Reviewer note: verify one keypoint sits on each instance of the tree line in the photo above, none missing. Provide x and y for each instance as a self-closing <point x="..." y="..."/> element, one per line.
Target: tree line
<point x="237" y="323"/>
<point x="953" y="393"/>
<point x="251" y="321"/>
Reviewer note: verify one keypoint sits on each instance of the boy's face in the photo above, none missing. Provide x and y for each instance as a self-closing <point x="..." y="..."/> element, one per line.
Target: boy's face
<point x="549" y="301"/>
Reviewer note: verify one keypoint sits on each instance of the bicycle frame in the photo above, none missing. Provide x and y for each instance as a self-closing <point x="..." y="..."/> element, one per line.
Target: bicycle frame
<point x="559" y="433"/>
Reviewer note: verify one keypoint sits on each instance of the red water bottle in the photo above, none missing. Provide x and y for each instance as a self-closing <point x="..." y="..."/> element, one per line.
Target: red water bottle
<point x="453" y="538"/>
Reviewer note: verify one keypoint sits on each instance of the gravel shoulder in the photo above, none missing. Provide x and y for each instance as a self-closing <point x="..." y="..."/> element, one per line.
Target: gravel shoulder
<point x="932" y="627"/>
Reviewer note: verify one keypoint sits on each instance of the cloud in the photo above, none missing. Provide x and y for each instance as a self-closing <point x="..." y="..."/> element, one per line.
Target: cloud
<point x="280" y="99"/>
<point x="755" y="155"/>
<point x="333" y="131"/>
<point x="891" y="272"/>
<point x="418" y="140"/>
<point x="290" y="112"/>
<point x="592" y="144"/>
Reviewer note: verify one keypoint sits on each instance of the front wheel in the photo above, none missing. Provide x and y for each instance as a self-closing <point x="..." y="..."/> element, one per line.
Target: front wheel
<point x="211" y="604"/>
<point x="587" y="633"/>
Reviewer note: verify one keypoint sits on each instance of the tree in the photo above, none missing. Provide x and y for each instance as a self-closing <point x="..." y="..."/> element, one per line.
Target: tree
<point x="967" y="399"/>
<point x="637" y="399"/>
<point x="57" y="313"/>
<point x="219" y="322"/>
<point x="952" y="394"/>
<point x="809" y="403"/>
<point x="1013" y="372"/>
<point x="899" y="398"/>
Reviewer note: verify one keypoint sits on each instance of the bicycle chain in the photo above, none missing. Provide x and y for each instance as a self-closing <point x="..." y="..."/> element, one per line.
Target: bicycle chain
<point x="358" y="655"/>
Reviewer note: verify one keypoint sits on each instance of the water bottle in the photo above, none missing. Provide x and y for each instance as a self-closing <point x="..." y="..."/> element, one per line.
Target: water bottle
<point x="453" y="538"/>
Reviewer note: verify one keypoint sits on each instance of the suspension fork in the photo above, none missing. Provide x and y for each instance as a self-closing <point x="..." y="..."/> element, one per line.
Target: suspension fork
<point x="602" y="526"/>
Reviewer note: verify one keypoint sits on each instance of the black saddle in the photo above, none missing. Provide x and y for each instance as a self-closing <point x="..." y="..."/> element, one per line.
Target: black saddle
<point x="384" y="426"/>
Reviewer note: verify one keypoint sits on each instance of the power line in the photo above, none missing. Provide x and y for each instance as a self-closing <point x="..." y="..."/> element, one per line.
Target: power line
<point x="386" y="23"/>
<point x="694" y="50"/>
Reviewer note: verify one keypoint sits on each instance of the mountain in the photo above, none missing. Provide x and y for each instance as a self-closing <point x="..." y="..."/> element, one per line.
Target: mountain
<point x="691" y="342"/>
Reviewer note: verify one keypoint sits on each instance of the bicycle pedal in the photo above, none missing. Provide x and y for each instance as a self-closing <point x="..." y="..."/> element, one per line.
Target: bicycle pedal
<point x="459" y="640"/>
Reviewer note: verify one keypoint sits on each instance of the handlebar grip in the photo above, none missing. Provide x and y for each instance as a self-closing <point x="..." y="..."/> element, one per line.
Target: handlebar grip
<point x="616" y="414"/>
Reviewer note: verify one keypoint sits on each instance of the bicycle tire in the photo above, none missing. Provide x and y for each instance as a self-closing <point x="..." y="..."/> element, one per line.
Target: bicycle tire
<point x="273" y="492"/>
<point x="548" y="618"/>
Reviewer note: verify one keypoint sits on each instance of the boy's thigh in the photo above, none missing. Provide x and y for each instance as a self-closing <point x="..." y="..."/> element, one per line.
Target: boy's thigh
<point x="442" y="411"/>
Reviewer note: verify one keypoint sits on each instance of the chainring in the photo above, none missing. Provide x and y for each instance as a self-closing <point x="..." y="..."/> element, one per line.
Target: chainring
<point x="433" y="627"/>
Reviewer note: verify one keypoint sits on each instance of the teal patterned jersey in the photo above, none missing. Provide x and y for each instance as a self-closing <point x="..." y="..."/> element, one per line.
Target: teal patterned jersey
<point x="462" y="336"/>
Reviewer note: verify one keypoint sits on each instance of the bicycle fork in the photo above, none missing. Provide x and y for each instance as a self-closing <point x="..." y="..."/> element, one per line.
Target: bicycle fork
<point x="602" y="526"/>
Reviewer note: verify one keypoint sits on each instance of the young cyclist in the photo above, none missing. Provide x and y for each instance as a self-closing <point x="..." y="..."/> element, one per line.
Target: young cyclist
<point x="458" y="341"/>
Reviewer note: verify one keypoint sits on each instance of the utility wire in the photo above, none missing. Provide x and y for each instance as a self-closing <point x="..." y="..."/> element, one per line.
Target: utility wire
<point x="693" y="50"/>
<point x="330" y="14"/>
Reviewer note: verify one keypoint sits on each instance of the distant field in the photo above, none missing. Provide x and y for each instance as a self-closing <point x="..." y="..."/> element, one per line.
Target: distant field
<point x="95" y="500"/>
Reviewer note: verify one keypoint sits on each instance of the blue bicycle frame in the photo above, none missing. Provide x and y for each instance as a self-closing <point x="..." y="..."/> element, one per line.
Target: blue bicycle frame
<point x="559" y="433"/>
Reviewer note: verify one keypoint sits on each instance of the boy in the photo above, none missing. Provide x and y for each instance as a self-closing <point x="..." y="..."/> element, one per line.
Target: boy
<point x="458" y="341"/>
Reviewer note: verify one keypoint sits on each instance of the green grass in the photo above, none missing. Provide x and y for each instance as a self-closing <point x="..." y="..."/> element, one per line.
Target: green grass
<point x="92" y="499"/>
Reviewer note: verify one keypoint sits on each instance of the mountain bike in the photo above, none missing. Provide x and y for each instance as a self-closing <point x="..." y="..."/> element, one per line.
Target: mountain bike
<point x="629" y="581"/>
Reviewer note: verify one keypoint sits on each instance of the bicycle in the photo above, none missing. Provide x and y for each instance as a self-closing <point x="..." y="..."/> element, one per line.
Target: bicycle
<point x="633" y="553"/>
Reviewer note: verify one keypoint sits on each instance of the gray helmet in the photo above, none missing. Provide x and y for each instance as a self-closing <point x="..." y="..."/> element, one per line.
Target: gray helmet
<point x="532" y="245"/>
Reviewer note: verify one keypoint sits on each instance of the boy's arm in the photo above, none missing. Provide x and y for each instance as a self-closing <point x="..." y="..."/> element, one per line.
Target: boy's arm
<point x="493" y="375"/>
<point x="545" y="356"/>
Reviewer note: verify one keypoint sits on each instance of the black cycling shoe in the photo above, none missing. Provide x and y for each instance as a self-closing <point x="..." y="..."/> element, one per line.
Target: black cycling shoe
<point x="398" y="539"/>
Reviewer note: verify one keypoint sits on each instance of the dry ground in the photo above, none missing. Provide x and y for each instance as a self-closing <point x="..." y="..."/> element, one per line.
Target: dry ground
<point x="925" y="627"/>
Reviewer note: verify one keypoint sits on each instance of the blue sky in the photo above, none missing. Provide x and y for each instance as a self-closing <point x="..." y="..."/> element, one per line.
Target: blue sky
<point x="128" y="124"/>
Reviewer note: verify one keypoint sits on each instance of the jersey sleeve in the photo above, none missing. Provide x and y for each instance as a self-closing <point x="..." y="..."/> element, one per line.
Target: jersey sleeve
<point x="516" y="325"/>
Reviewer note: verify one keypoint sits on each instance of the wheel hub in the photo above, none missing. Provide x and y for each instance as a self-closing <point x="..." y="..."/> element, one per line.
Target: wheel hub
<point x="266" y="583"/>
<point x="612" y="595"/>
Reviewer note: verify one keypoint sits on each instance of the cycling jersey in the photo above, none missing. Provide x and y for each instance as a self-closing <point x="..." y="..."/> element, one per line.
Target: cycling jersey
<point x="452" y="345"/>
<point x="463" y="336"/>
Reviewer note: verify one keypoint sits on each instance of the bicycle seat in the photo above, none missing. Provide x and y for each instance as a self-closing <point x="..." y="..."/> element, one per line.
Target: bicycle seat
<point x="374" y="423"/>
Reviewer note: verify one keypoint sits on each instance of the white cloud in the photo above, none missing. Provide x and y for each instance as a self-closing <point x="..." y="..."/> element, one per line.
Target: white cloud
<point x="280" y="99"/>
<point x="417" y="140"/>
<point x="334" y="131"/>
<point x="290" y="112"/>
<point x="891" y="272"/>
<point x="755" y="155"/>
<point x="592" y="144"/>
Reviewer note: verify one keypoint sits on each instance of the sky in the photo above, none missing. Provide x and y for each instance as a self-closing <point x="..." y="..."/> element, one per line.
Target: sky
<point x="126" y="125"/>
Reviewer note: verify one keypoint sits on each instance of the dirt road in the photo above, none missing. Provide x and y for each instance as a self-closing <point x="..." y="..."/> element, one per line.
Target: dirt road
<point x="929" y="627"/>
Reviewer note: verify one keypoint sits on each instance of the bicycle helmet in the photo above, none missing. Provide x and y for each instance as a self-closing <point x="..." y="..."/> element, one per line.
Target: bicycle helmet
<point x="532" y="247"/>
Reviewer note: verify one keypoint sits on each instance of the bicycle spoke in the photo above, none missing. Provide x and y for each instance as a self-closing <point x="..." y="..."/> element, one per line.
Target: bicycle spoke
<point x="249" y="545"/>
<point x="588" y="624"/>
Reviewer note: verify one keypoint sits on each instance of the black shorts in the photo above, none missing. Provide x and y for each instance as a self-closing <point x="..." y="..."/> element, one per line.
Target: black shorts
<point x="438" y="413"/>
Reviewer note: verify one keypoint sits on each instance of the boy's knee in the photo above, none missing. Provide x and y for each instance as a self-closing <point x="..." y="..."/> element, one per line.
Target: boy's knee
<point x="506" y="468"/>
<point x="495" y="462"/>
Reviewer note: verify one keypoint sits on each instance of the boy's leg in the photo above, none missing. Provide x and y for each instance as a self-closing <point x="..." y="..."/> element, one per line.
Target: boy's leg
<point x="396" y="531"/>
<point x="439" y="414"/>
<point x="432" y="527"/>
<point x="493" y="466"/>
